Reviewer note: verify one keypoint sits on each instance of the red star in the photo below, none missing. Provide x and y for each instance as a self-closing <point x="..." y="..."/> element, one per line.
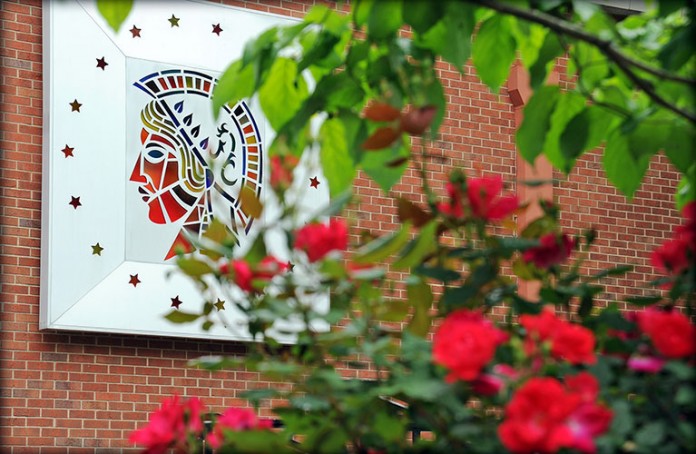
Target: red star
<point x="75" y="202"/>
<point x="217" y="29"/>
<point x="134" y="280"/>
<point x="101" y="63"/>
<point x="135" y="31"/>
<point x="176" y="302"/>
<point x="67" y="151"/>
<point x="75" y="106"/>
<point x="314" y="182"/>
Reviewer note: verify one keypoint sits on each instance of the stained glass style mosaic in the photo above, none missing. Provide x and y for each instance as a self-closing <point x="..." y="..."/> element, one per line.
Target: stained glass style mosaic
<point x="184" y="164"/>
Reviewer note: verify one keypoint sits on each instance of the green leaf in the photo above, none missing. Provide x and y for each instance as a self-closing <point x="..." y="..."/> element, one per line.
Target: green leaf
<point x="235" y="84"/>
<point x="323" y="46"/>
<point x="336" y="162"/>
<point x="435" y="96"/>
<point x="418" y="248"/>
<point x="686" y="192"/>
<point x="437" y="272"/>
<point x="650" y="434"/>
<point x="622" y="422"/>
<point x="494" y="50"/>
<point x="283" y="92"/>
<point x="530" y="38"/>
<point x="615" y="271"/>
<point x="643" y="300"/>
<point x="592" y="65"/>
<point x="115" y="12"/>
<point x="384" y="19"/>
<point x="177" y="316"/>
<point x="546" y="59"/>
<point x="680" y="145"/>
<point x="622" y="170"/>
<point x="361" y="12"/>
<point x="568" y="106"/>
<point x="420" y="297"/>
<point x="249" y="202"/>
<point x="384" y="246"/>
<point x="379" y="165"/>
<point x="584" y="132"/>
<point x="536" y="122"/>
<point x="451" y="37"/>
<point x="193" y="267"/>
<point x="422" y="14"/>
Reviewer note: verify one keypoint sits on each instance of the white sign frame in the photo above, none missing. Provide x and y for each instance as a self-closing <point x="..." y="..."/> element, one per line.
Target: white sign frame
<point x="87" y="153"/>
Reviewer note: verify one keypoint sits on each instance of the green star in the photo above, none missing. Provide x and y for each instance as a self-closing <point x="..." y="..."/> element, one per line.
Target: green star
<point x="97" y="249"/>
<point x="220" y="305"/>
<point x="174" y="21"/>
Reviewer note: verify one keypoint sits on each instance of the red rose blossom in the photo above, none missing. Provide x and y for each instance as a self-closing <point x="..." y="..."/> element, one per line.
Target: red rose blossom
<point x="670" y="332"/>
<point x="169" y="425"/>
<point x="552" y="250"/>
<point x="319" y="239"/>
<point x="569" y="341"/>
<point x="677" y="254"/>
<point x="242" y="274"/>
<point x="544" y="416"/>
<point x="465" y="343"/>
<point x="494" y="382"/>
<point x="281" y="171"/>
<point x="453" y="208"/>
<point x="236" y="420"/>
<point x="486" y="201"/>
<point x="647" y="364"/>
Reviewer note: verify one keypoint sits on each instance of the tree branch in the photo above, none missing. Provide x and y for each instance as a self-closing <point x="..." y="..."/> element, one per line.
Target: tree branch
<point x="624" y="62"/>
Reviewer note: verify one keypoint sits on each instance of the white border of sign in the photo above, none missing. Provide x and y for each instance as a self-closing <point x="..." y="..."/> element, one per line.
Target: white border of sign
<point x="79" y="290"/>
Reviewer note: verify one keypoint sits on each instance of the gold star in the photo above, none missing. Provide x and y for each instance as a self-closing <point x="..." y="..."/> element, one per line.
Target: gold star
<point x="75" y="106"/>
<point x="220" y="305"/>
<point x="174" y="21"/>
<point x="97" y="249"/>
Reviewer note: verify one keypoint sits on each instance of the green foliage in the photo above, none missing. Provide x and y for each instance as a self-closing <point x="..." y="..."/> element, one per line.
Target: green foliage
<point x="115" y="12"/>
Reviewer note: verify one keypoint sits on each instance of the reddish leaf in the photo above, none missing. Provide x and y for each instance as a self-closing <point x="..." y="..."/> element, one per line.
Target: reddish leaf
<point x="409" y="211"/>
<point x="418" y="120"/>
<point x="396" y="162"/>
<point x="381" y="138"/>
<point x="379" y="111"/>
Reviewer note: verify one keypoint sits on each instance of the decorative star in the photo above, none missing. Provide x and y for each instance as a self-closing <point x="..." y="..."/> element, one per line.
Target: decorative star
<point x="219" y="305"/>
<point x="101" y="63"/>
<point x="75" y="202"/>
<point x="291" y="266"/>
<point x="68" y="151"/>
<point x="97" y="250"/>
<point x="314" y="182"/>
<point x="217" y="29"/>
<point x="176" y="302"/>
<point x="135" y="31"/>
<point x="75" y="106"/>
<point x="174" y="21"/>
<point x="134" y="280"/>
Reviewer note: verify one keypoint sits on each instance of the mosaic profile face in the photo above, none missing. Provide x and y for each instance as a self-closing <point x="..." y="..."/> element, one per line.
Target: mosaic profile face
<point x="191" y="168"/>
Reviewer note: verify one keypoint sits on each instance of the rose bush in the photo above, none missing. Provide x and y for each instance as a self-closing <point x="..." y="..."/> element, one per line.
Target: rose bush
<point x="561" y="370"/>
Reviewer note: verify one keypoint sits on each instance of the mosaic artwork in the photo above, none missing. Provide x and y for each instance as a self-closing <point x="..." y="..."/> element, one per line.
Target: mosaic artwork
<point x="183" y="164"/>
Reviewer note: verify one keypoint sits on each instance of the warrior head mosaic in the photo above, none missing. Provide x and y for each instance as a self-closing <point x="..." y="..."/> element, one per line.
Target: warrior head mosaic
<point x="189" y="168"/>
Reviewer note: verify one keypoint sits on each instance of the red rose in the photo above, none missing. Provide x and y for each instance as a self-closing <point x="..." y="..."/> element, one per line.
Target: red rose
<point x="486" y="201"/>
<point x="570" y="342"/>
<point x="552" y="250"/>
<point x="679" y="253"/>
<point x="169" y="425"/>
<point x="318" y="239"/>
<point x="465" y="343"/>
<point x="544" y="416"/>
<point x="534" y="417"/>
<point x="281" y="171"/>
<point x="647" y="364"/>
<point x="670" y="332"/>
<point x="573" y="343"/>
<point x="270" y="267"/>
<point x="235" y="420"/>
<point x="453" y="208"/>
<point x="242" y="275"/>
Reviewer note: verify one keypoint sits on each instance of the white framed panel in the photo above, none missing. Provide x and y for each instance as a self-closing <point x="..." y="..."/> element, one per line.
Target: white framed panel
<point x="134" y="160"/>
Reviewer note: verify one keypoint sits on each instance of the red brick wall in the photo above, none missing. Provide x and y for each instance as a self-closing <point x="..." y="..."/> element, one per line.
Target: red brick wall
<point x="79" y="392"/>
